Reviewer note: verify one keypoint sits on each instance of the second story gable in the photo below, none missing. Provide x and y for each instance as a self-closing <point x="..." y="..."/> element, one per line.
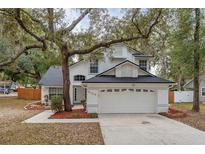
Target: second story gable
<point x="120" y="52"/>
<point x="114" y="55"/>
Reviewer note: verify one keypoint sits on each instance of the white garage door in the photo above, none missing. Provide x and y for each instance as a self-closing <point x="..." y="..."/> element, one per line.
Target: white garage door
<point x="127" y="101"/>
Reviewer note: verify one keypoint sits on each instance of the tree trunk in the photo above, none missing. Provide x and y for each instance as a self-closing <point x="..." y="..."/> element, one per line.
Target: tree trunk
<point x="66" y="79"/>
<point x="196" y="61"/>
<point x="179" y="82"/>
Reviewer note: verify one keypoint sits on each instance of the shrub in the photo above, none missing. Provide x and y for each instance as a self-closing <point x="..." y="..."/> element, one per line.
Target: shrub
<point x="93" y="115"/>
<point x="76" y="115"/>
<point x="56" y="103"/>
<point x="83" y="102"/>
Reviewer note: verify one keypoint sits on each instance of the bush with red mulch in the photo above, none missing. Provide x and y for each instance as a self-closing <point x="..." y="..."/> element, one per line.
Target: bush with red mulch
<point x="37" y="106"/>
<point x="74" y="114"/>
<point x="174" y="113"/>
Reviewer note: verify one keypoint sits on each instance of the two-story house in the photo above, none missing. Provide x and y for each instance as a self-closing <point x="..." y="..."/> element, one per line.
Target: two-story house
<point x="118" y="83"/>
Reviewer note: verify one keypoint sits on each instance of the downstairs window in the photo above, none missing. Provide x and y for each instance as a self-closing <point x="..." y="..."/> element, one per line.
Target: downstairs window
<point x="55" y="92"/>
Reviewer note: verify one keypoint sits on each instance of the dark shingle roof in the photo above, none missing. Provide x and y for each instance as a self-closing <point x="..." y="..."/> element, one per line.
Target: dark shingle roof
<point x="53" y="77"/>
<point x="139" y="79"/>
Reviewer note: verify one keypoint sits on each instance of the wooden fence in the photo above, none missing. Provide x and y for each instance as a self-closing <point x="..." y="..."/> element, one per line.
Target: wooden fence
<point x="171" y="97"/>
<point x="29" y="93"/>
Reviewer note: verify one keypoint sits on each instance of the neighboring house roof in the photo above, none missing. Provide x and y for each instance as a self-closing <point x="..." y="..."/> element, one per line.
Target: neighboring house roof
<point x="186" y="84"/>
<point x="149" y="78"/>
<point x="53" y="77"/>
<point x="190" y="81"/>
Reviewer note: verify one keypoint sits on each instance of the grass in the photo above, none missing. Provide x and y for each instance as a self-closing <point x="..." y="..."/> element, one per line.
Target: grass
<point x="12" y="131"/>
<point x="194" y="119"/>
<point x="188" y="106"/>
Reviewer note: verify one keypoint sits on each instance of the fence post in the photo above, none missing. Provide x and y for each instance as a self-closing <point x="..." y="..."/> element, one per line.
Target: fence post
<point x="171" y="98"/>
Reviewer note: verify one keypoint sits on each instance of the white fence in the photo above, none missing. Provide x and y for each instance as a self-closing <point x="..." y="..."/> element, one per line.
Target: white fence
<point x="183" y="96"/>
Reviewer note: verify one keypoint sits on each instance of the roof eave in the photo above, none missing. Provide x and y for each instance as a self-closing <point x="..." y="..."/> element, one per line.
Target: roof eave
<point x="133" y="82"/>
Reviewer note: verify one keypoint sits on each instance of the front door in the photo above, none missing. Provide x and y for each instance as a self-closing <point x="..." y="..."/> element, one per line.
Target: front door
<point x="78" y="94"/>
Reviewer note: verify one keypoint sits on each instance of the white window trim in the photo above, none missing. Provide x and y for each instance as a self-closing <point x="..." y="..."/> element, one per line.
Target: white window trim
<point x="202" y="91"/>
<point x="79" y="77"/>
<point x="142" y="60"/>
<point x="90" y="69"/>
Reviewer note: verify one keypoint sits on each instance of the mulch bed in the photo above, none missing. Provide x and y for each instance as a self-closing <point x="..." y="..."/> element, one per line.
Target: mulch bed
<point x="74" y="114"/>
<point x="37" y="106"/>
<point x="174" y="113"/>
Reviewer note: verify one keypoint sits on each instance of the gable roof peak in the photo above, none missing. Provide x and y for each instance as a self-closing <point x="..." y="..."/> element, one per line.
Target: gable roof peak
<point x="123" y="63"/>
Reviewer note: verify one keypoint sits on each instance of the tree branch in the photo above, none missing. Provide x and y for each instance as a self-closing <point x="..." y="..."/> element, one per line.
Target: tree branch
<point x="75" y="22"/>
<point x="12" y="59"/>
<point x="156" y="21"/>
<point x="135" y="23"/>
<point x="21" y="23"/>
<point x="105" y="45"/>
<point x="34" y="19"/>
<point x="50" y="24"/>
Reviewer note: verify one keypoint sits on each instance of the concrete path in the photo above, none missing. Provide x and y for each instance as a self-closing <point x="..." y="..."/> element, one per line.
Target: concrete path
<point x="147" y="129"/>
<point x="10" y="95"/>
<point x="43" y="118"/>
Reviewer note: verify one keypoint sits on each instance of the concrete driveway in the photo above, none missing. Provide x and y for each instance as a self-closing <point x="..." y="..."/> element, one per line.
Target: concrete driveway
<point x="147" y="129"/>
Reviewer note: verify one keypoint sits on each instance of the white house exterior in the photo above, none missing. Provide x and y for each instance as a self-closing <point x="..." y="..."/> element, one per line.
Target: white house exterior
<point x="118" y="83"/>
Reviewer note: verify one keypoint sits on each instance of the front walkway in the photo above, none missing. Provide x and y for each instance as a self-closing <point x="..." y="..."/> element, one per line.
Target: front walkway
<point x="147" y="129"/>
<point x="43" y="118"/>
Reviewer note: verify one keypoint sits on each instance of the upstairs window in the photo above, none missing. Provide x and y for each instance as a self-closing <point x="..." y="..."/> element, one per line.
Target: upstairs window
<point x="94" y="66"/>
<point x="79" y="78"/>
<point x="143" y="64"/>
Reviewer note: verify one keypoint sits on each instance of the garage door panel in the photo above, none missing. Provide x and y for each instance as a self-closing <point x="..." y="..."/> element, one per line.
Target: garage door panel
<point x="127" y="102"/>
